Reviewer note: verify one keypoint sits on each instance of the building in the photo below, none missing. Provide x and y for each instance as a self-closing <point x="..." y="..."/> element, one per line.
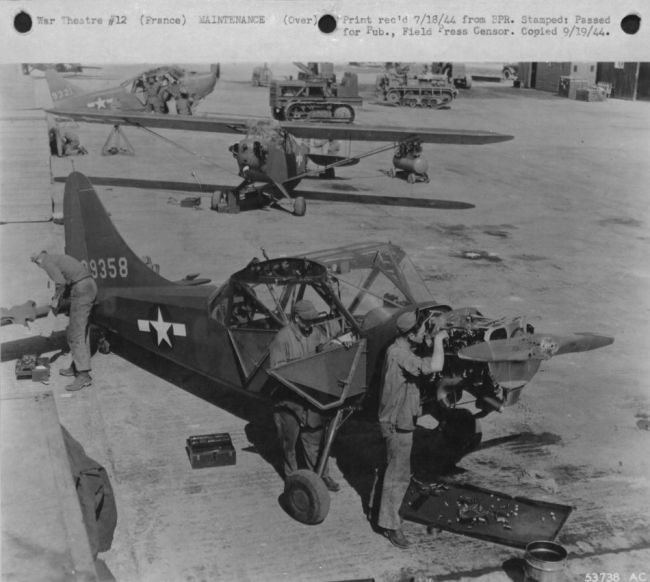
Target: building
<point x="628" y="80"/>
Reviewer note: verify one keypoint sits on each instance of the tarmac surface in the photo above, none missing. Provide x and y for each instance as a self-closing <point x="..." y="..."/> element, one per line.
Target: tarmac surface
<point x="553" y="224"/>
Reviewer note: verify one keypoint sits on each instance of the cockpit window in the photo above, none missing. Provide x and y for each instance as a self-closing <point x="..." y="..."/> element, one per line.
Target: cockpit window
<point x="387" y="280"/>
<point x="416" y="285"/>
<point x="370" y="288"/>
<point x="249" y="310"/>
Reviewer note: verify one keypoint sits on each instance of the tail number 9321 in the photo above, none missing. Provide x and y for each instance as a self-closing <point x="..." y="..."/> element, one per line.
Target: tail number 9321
<point x="109" y="268"/>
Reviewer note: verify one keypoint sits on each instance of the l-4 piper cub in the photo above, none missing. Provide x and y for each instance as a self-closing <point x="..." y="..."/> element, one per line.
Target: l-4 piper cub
<point x="224" y="333"/>
<point x="271" y="155"/>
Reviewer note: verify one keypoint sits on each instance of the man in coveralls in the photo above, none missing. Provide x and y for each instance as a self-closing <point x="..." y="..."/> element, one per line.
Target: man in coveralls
<point x="294" y="417"/>
<point x="399" y="408"/>
<point x="68" y="273"/>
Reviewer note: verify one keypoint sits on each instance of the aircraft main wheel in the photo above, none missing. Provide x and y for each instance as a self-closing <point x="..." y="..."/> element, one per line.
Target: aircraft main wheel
<point x="306" y="498"/>
<point x="411" y="178"/>
<point x="299" y="206"/>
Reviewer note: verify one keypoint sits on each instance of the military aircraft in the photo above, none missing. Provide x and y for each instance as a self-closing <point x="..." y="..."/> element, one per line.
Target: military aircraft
<point x="224" y="333"/>
<point x="130" y="95"/>
<point x="74" y="68"/>
<point x="272" y="156"/>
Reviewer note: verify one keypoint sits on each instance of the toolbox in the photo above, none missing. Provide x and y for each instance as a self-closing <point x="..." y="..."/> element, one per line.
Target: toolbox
<point x="32" y="367"/>
<point x="210" y="450"/>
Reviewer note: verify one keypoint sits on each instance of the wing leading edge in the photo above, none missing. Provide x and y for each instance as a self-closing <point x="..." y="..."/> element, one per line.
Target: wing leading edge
<point x="241" y="125"/>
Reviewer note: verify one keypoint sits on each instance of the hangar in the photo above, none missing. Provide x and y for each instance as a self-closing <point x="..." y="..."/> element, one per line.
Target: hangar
<point x="628" y="80"/>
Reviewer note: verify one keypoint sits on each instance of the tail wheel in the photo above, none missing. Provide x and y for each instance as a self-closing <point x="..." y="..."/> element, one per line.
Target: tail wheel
<point x="393" y="97"/>
<point x="299" y="206"/>
<point x="344" y="113"/>
<point x="305" y="497"/>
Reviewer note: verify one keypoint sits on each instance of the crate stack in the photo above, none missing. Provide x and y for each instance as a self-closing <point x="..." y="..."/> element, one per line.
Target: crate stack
<point x="591" y="93"/>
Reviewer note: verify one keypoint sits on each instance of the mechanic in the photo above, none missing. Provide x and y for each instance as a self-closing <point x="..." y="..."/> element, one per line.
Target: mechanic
<point x="293" y="416"/>
<point x="154" y="103"/>
<point x="71" y="276"/>
<point x="184" y="102"/>
<point x="72" y="144"/>
<point x="399" y="408"/>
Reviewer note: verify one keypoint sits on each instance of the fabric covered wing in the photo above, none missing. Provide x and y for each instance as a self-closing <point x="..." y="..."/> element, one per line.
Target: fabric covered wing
<point x="392" y="134"/>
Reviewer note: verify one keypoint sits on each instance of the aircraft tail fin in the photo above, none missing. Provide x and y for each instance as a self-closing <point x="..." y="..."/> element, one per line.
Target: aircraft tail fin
<point x="91" y="237"/>
<point x="61" y="90"/>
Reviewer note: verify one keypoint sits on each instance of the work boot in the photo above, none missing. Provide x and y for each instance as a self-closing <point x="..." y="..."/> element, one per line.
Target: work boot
<point x="71" y="371"/>
<point x="397" y="538"/>
<point x="81" y="381"/>
<point x="331" y="484"/>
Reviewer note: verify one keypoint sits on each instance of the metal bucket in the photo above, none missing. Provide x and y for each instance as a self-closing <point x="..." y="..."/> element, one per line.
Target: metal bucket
<point x="545" y="562"/>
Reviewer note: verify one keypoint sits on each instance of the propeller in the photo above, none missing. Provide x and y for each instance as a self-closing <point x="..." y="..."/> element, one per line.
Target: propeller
<point x="535" y="346"/>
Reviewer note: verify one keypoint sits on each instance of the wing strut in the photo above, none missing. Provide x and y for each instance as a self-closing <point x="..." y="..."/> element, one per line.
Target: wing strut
<point x="185" y="149"/>
<point x="342" y="162"/>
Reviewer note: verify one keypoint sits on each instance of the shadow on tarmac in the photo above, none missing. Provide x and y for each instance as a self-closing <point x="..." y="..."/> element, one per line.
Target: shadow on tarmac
<point x="358" y="450"/>
<point x="308" y="195"/>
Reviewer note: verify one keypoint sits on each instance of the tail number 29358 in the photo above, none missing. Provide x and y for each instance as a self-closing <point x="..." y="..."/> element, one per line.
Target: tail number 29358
<point x="109" y="268"/>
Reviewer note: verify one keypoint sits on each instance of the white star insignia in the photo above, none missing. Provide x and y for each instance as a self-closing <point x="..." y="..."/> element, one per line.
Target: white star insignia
<point x="99" y="103"/>
<point x="161" y="327"/>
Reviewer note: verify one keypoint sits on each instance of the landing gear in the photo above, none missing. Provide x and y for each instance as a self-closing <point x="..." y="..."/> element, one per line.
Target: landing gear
<point x="299" y="206"/>
<point x="244" y="197"/>
<point x="305" y="497"/>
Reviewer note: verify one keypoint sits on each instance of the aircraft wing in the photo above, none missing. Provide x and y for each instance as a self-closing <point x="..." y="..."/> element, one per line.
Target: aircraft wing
<point x="242" y="124"/>
<point x="213" y="124"/>
<point x="387" y="133"/>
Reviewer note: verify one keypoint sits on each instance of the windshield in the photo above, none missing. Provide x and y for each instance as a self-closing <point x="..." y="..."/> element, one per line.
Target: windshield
<point x="388" y="281"/>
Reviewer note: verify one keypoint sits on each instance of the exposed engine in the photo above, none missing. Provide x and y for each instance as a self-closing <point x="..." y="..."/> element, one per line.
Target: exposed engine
<point x="491" y="385"/>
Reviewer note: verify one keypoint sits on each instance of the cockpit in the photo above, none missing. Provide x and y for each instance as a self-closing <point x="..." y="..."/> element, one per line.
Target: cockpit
<point x="262" y="296"/>
<point x="373" y="281"/>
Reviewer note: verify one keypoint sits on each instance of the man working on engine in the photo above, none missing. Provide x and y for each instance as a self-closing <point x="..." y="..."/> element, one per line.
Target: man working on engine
<point x="293" y="416"/>
<point x="398" y="410"/>
<point x="68" y="273"/>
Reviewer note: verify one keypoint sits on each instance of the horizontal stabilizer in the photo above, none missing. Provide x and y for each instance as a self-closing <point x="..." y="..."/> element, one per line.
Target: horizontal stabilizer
<point x="534" y="346"/>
